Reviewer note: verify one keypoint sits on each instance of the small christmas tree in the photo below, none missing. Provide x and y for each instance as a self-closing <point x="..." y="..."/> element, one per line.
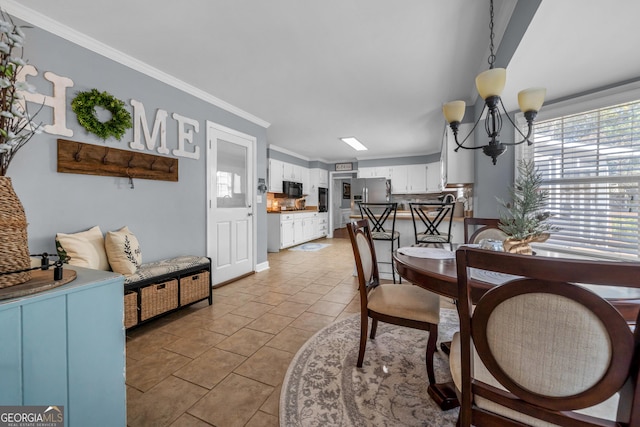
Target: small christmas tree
<point x="524" y="218"/>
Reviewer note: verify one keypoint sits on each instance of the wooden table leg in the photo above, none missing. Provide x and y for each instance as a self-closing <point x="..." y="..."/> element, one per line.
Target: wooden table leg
<point x="444" y="395"/>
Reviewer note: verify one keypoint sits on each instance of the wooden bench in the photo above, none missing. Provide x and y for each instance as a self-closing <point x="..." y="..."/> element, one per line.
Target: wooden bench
<point x="161" y="287"/>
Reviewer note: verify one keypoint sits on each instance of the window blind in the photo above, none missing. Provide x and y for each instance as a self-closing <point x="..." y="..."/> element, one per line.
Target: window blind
<point x="590" y="164"/>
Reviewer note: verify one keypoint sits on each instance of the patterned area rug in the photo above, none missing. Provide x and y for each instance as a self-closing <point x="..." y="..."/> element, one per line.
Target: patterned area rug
<point x="323" y="386"/>
<point x="310" y="247"/>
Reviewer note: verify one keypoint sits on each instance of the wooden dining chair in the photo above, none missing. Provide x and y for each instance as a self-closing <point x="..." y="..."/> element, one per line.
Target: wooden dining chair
<point x="541" y="350"/>
<point x="382" y="217"/>
<point x="399" y="304"/>
<point x="476" y="229"/>
<point x="427" y="218"/>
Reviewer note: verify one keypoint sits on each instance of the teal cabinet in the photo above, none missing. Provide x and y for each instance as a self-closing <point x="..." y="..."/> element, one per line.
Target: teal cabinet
<point x="66" y="347"/>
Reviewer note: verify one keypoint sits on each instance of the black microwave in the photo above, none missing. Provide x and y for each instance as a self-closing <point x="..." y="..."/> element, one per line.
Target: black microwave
<point x="293" y="190"/>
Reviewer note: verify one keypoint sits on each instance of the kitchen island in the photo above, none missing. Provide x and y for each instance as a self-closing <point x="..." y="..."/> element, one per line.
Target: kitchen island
<point x="404" y="225"/>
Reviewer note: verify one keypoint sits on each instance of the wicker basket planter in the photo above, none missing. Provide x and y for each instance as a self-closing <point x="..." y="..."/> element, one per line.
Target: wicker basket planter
<point x="14" y="248"/>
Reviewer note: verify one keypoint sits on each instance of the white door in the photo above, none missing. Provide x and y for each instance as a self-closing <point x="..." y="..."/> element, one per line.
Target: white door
<point x="230" y="192"/>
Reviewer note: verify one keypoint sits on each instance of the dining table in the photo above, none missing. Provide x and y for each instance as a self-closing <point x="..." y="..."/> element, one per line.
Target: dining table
<point x="432" y="266"/>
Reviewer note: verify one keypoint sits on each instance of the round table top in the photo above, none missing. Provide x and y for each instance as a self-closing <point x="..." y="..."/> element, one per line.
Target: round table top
<point x="440" y="276"/>
<point x="437" y="275"/>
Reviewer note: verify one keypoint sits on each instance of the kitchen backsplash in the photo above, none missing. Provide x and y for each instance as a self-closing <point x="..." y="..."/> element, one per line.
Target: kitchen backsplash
<point x="278" y="201"/>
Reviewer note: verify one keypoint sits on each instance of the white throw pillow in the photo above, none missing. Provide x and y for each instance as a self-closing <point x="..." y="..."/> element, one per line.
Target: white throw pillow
<point x="84" y="249"/>
<point x="123" y="251"/>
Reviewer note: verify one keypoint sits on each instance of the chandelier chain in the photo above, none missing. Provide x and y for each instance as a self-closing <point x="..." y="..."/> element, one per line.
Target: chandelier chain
<point x="492" y="56"/>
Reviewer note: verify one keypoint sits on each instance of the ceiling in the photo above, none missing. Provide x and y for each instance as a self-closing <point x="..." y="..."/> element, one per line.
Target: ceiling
<point x="374" y="69"/>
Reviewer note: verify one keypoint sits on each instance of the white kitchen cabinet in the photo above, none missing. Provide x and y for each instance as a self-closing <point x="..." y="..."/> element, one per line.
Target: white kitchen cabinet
<point x="288" y="173"/>
<point x="295" y="173"/>
<point x="434" y="178"/>
<point x="409" y="179"/>
<point x="304" y="179"/>
<point x="323" y="178"/>
<point x="291" y="229"/>
<point x="287" y="233"/>
<point x="399" y="178"/>
<point x="298" y="230"/>
<point x="312" y="194"/>
<point x="276" y="175"/>
<point x="457" y="168"/>
<point x="309" y="226"/>
<point x="417" y="178"/>
<point x="317" y="178"/>
<point x="375" y="172"/>
<point x="323" y="224"/>
<point x="367" y="173"/>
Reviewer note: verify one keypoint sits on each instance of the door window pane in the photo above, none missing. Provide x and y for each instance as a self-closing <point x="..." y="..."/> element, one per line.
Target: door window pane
<point x="231" y="175"/>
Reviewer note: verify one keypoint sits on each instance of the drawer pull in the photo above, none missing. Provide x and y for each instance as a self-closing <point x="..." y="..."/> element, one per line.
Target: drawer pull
<point x="196" y="277"/>
<point x="161" y="286"/>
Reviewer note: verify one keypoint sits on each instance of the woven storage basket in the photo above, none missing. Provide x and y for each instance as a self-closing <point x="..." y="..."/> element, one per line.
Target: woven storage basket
<point x="14" y="248"/>
<point x="130" y="309"/>
<point x="158" y="298"/>
<point x="194" y="287"/>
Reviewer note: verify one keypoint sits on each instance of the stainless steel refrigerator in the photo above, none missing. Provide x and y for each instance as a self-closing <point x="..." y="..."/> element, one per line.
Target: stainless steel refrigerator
<point x="369" y="190"/>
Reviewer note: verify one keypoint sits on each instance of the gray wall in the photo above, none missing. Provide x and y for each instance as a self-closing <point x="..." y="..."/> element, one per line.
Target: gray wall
<point x="169" y="218"/>
<point x="396" y="161"/>
<point x="493" y="181"/>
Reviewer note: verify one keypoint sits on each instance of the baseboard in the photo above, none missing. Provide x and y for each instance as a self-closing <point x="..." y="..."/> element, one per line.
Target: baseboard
<point x="262" y="266"/>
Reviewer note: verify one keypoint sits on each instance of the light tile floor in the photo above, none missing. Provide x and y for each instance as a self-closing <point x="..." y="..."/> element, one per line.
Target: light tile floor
<point x="223" y="365"/>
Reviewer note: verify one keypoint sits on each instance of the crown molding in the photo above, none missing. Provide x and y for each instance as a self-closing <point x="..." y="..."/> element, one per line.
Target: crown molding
<point x="41" y="21"/>
<point x="289" y="152"/>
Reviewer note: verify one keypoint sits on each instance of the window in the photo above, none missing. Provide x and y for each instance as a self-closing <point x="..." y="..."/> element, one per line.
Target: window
<point x="590" y="164"/>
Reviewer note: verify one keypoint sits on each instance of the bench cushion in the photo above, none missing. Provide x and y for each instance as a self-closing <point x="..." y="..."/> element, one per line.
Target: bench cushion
<point x="165" y="266"/>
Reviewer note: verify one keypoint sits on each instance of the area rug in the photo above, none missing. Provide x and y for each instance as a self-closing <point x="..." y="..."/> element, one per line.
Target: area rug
<point x="323" y="387"/>
<point x="310" y="247"/>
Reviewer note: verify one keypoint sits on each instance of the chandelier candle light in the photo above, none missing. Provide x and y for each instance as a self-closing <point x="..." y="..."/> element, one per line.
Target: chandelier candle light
<point x="490" y="84"/>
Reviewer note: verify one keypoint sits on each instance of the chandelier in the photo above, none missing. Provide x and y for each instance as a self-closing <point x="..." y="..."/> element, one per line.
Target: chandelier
<point x="490" y="84"/>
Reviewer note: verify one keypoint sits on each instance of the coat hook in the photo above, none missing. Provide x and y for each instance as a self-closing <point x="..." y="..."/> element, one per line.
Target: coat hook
<point x="104" y="158"/>
<point x="130" y="178"/>
<point x="76" y="156"/>
<point x="152" y="163"/>
<point x="173" y="163"/>
<point x="129" y="164"/>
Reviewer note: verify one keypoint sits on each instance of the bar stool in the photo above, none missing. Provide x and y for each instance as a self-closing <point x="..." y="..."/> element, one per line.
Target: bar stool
<point x="378" y="214"/>
<point x="427" y="216"/>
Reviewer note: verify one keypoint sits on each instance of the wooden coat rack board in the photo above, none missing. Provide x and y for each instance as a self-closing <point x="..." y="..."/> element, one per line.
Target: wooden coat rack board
<point x="88" y="159"/>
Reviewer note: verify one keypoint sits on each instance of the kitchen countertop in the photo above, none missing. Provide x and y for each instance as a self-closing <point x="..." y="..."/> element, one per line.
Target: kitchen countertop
<point x="400" y="215"/>
<point x="407" y="215"/>
<point x="293" y="211"/>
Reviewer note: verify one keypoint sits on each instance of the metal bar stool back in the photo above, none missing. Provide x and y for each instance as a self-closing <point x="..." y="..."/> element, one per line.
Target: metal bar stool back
<point x="427" y="218"/>
<point x="382" y="220"/>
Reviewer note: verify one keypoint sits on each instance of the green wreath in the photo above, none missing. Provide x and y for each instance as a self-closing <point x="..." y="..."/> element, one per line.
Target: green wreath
<point x="84" y="106"/>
